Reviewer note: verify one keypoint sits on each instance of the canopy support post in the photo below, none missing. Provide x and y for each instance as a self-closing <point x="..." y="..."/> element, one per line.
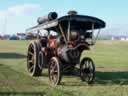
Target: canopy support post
<point x="68" y="30"/>
<point x="62" y="32"/>
<point x="38" y="34"/>
<point x="97" y="35"/>
<point x="93" y="33"/>
<point x="94" y="39"/>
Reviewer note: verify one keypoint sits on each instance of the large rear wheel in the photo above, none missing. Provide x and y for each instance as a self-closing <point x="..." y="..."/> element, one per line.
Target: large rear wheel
<point x="87" y="70"/>
<point x="32" y="59"/>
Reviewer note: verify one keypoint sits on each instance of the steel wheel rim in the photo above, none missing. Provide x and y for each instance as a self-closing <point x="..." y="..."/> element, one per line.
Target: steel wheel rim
<point x="31" y="58"/>
<point x="54" y="72"/>
<point x="87" y="70"/>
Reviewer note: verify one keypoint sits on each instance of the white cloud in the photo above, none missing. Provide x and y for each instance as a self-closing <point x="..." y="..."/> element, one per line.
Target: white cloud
<point x="25" y="9"/>
<point x="3" y="13"/>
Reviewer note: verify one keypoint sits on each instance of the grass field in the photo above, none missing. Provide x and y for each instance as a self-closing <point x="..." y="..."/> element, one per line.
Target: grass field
<point x="110" y="57"/>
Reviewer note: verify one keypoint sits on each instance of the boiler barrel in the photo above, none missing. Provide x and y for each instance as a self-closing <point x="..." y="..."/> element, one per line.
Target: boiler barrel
<point x="51" y="16"/>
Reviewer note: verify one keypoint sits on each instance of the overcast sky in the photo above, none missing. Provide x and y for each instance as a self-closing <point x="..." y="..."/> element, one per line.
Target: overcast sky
<point x="18" y="15"/>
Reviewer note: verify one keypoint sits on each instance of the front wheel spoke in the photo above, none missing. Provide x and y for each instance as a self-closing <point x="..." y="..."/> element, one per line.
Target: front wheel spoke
<point x="54" y="67"/>
<point x="84" y="66"/>
<point x="53" y="78"/>
<point x="90" y="75"/>
<point x="52" y="70"/>
<point x="89" y="78"/>
<point x="55" y="71"/>
<point x="90" y="65"/>
<point x="84" y="75"/>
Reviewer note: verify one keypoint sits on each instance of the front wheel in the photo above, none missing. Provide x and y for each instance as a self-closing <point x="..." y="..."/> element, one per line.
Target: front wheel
<point x="54" y="71"/>
<point x="87" y="70"/>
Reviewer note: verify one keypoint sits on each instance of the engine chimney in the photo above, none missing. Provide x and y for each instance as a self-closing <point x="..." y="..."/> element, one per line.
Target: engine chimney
<point x="72" y="12"/>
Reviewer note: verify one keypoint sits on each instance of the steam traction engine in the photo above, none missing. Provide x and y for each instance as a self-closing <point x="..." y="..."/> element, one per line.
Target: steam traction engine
<point x="61" y="53"/>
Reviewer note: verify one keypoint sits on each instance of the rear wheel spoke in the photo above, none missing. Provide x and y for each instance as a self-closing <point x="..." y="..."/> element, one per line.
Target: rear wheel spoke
<point x="31" y="68"/>
<point x="30" y="61"/>
<point x="30" y="53"/>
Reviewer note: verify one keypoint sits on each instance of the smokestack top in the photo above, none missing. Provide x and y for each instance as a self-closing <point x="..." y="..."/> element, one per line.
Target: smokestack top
<point x="72" y="12"/>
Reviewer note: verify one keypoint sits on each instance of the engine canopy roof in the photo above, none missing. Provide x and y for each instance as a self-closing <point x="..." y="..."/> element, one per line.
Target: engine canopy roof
<point x="77" y="21"/>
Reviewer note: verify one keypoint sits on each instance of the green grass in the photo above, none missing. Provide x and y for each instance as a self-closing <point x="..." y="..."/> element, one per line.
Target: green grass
<point x="111" y="61"/>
